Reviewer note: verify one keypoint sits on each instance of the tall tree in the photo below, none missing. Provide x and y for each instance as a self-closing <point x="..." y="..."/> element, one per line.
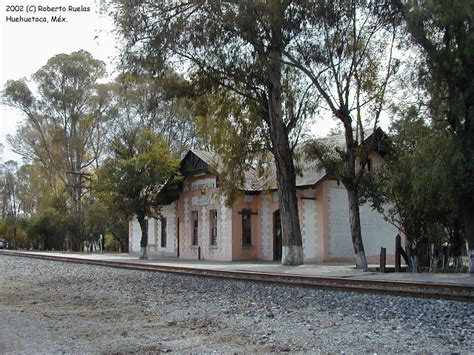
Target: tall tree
<point x="9" y="193"/>
<point x="348" y="58"/>
<point x="33" y="188"/>
<point x="65" y="122"/>
<point x="139" y="166"/>
<point x="239" y="46"/>
<point x="443" y="31"/>
<point x="151" y="102"/>
<point x="8" y="185"/>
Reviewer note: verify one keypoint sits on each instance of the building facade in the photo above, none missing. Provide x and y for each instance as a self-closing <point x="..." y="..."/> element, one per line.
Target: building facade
<point x="196" y="222"/>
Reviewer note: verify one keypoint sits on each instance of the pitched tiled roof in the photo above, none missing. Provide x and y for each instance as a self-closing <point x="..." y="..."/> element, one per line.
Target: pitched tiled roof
<point x="308" y="175"/>
<point x="208" y="157"/>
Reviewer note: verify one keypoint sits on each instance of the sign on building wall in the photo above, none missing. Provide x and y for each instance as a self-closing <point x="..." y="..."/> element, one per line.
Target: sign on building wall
<point x="201" y="184"/>
<point x="201" y="200"/>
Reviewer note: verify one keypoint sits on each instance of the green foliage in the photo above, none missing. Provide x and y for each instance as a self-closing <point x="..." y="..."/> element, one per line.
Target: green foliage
<point x="418" y="187"/>
<point x="4" y="229"/>
<point x="65" y="118"/>
<point x="95" y="217"/>
<point x="111" y="244"/>
<point x="9" y="198"/>
<point x="63" y="134"/>
<point x="131" y="178"/>
<point x="139" y="167"/>
<point x="14" y="231"/>
<point x="157" y="103"/>
<point x="68" y="79"/>
<point x="239" y="145"/>
<point x="228" y="57"/>
<point x="33" y="188"/>
<point x="48" y="229"/>
<point x="443" y="30"/>
<point x="17" y="94"/>
<point x="327" y="155"/>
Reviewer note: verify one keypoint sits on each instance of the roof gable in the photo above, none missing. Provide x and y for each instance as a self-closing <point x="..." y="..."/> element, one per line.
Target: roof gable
<point x="195" y="163"/>
<point x="377" y="141"/>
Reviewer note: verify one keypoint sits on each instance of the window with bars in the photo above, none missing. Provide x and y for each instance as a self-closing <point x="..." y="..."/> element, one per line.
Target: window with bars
<point x="163" y="232"/>
<point x="213" y="227"/>
<point x="195" y="227"/>
<point x="246" y="227"/>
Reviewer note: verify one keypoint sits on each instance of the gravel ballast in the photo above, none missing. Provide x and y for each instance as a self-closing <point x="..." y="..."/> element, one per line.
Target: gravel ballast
<point x="54" y="307"/>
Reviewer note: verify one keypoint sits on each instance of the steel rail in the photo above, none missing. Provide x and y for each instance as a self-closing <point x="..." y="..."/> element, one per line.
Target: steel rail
<point x="389" y="287"/>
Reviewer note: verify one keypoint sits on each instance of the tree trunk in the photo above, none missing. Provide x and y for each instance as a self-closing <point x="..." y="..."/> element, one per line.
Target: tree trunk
<point x="14" y="233"/>
<point x="356" y="232"/>
<point x="292" y="245"/>
<point x="410" y="249"/>
<point x="144" y="241"/>
<point x="45" y="242"/>
<point x="456" y="239"/>
<point x="351" y="184"/>
<point x="72" y="191"/>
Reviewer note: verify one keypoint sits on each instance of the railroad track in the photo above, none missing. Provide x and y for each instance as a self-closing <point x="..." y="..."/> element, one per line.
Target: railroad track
<point x="398" y="288"/>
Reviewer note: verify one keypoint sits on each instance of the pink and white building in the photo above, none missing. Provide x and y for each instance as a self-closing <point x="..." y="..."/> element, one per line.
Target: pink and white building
<point x="197" y="223"/>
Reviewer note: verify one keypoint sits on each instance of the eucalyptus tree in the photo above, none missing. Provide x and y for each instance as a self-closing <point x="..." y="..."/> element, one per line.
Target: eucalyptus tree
<point x="236" y="46"/>
<point x="33" y="188"/>
<point x="65" y="118"/>
<point x="150" y="101"/>
<point x="443" y="31"/>
<point x="9" y="196"/>
<point x="347" y="56"/>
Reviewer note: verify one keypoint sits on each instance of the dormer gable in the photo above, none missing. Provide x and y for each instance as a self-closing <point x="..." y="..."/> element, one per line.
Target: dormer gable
<point x="196" y="163"/>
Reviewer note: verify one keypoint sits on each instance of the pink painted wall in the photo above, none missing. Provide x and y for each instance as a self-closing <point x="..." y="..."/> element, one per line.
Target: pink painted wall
<point x="239" y="251"/>
<point x="207" y="252"/>
<point x="229" y="226"/>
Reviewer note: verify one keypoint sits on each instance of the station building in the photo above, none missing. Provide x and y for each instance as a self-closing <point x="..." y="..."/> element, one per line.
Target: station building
<point x="196" y="223"/>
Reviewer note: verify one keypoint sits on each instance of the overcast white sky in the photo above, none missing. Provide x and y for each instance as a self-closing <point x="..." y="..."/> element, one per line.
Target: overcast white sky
<point x="26" y="47"/>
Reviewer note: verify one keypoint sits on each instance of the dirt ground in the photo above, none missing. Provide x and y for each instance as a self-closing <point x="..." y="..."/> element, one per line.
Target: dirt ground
<point x="56" y="307"/>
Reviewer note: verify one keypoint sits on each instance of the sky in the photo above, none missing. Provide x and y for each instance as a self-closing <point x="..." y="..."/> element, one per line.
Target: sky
<point x="26" y="46"/>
